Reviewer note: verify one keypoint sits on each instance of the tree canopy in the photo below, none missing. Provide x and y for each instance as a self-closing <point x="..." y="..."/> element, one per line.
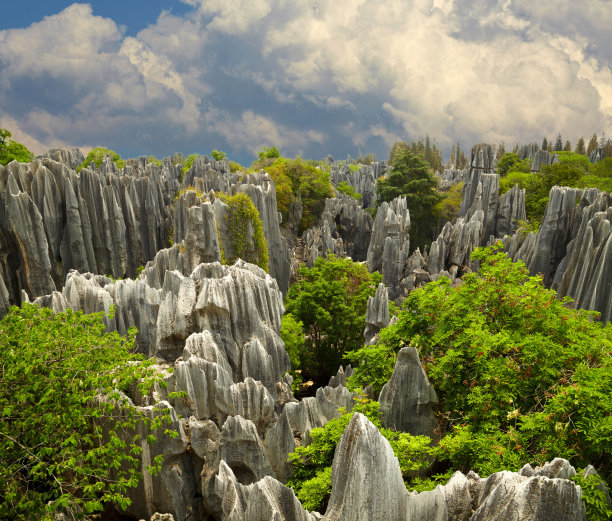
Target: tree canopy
<point x="62" y="445"/>
<point x="520" y="375"/>
<point x="330" y="299"/>
<point x="412" y="178"/>
<point x="12" y="150"/>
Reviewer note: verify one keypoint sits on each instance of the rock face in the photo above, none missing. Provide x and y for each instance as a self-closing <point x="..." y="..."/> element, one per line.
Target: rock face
<point x="406" y="400"/>
<point x="53" y="220"/>
<point x="377" y="314"/>
<point x="390" y="243"/>
<point x="363" y="181"/>
<point x="344" y="230"/>
<point x="366" y="478"/>
<point x="572" y="248"/>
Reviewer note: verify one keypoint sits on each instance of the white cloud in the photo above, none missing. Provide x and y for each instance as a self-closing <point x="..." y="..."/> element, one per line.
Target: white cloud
<point x="253" y="131"/>
<point x="233" y="16"/>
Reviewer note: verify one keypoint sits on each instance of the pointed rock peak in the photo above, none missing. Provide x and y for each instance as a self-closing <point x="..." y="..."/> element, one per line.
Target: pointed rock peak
<point x="366" y="478"/>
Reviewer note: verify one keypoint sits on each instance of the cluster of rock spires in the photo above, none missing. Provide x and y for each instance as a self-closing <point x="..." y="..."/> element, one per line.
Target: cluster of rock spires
<point x="69" y="240"/>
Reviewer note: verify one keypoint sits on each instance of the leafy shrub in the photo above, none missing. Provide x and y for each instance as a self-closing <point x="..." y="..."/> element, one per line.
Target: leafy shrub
<point x="235" y="167"/>
<point x="268" y="153"/>
<point x="448" y="208"/>
<point x="345" y="188"/>
<point x="292" y="334"/>
<point x="330" y="299"/>
<point x="242" y="215"/>
<point x="153" y="159"/>
<point x="58" y="449"/>
<point x="96" y="155"/>
<point x="510" y="162"/>
<point x="12" y="150"/>
<point x="520" y="376"/>
<point x="189" y="162"/>
<point x="217" y="155"/>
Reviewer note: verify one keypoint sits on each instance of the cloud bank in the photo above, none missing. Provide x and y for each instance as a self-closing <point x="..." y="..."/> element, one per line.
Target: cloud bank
<point x="331" y="76"/>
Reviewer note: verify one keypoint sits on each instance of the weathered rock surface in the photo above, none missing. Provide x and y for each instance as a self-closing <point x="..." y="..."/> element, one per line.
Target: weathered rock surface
<point x="377" y="314"/>
<point x="363" y="180"/>
<point x="343" y="229"/>
<point x="390" y="243"/>
<point x="407" y="399"/>
<point x="366" y="478"/>
<point x="572" y="248"/>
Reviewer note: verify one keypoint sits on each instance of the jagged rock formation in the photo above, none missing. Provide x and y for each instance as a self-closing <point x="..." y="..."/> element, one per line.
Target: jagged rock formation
<point x="390" y="243"/>
<point x="53" y="220"/>
<point x="344" y="230"/>
<point x="573" y="247"/>
<point x="452" y="176"/>
<point x="363" y="180"/>
<point x="482" y="158"/>
<point x="366" y="478"/>
<point x="71" y="157"/>
<point x="377" y="314"/>
<point x="407" y="399"/>
<point x="542" y="158"/>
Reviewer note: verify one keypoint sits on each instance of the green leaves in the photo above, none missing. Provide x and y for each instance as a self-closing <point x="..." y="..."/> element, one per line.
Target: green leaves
<point x="331" y="301"/>
<point x="65" y="438"/>
<point x="520" y="376"/>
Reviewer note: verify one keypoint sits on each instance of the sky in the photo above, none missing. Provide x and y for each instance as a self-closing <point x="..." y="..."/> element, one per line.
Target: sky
<point x="312" y="77"/>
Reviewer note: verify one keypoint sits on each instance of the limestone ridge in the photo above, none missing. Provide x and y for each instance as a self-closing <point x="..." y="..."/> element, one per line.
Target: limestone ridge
<point x="207" y="175"/>
<point x="53" y="220"/>
<point x="573" y="247"/>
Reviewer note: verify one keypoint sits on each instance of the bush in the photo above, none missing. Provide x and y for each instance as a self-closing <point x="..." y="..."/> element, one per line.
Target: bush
<point x="217" y="155"/>
<point x="330" y="300"/>
<point x="510" y="162"/>
<point x="54" y="452"/>
<point x="345" y="188"/>
<point x="11" y="150"/>
<point x="96" y="155"/>
<point x="189" y="162"/>
<point x="520" y="376"/>
<point x="241" y="216"/>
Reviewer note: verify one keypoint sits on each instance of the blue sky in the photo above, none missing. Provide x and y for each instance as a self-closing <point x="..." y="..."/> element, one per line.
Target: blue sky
<point x="312" y="76"/>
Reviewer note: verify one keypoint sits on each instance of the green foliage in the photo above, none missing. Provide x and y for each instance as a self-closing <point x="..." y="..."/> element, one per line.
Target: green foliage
<point x="12" y="150"/>
<point x="312" y="463"/>
<point x="235" y="167"/>
<point x="345" y="188"/>
<point x="411" y="177"/>
<point x="268" y="153"/>
<point x="217" y="155"/>
<point x="330" y="300"/>
<point x="448" y="207"/>
<point x="292" y="334"/>
<point x="510" y="162"/>
<point x="96" y="155"/>
<point x="241" y="218"/>
<point x="594" y="496"/>
<point x="153" y="159"/>
<point x="429" y="151"/>
<point x="520" y="376"/>
<point x="189" y="162"/>
<point x="61" y="446"/>
<point x="295" y="178"/>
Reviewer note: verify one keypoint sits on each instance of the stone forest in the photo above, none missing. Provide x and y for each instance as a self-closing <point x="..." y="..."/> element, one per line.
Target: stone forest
<point x="189" y="339"/>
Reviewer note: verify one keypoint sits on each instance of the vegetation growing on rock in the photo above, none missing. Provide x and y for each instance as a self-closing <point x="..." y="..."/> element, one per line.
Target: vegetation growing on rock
<point x="242" y="218"/>
<point x="96" y="155"/>
<point x="11" y="150"/>
<point x="520" y="376"/>
<point x="62" y="444"/>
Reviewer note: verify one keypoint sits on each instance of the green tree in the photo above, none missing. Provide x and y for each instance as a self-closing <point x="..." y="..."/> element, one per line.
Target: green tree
<point x="520" y="375"/>
<point x="268" y="153"/>
<point x="412" y="178"/>
<point x="96" y="155"/>
<point x="592" y="144"/>
<point x="217" y="155"/>
<point x="330" y="299"/>
<point x="567" y="147"/>
<point x="62" y="445"/>
<point x="558" y="143"/>
<point x="510" y="162"/>
<point x="12" y="150"/>
<point x="545" y="144"/>
<point x="580" y="147"/>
